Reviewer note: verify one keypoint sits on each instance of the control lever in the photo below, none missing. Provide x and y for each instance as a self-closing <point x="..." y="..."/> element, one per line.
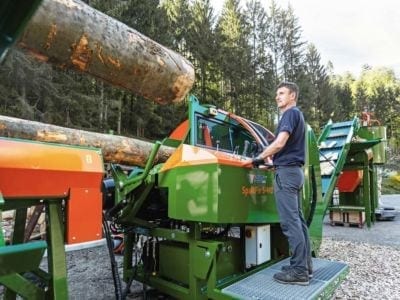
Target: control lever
<point x="236" y="150"/>
<point x="245" y="147"/>
<point x="253" y="149"/>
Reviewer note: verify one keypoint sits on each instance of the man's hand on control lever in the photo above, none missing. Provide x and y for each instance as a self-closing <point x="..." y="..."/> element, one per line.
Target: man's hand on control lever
<point x="256" y="162"/>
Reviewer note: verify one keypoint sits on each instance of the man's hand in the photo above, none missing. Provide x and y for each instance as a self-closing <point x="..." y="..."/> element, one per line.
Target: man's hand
<point x="255" y="162"/>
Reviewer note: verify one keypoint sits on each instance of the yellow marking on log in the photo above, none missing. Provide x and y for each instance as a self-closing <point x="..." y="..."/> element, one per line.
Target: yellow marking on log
<point x="34" y="52"/>
<point x="114" y="62"/>
<point x="51" y="136"/>
<point x="51" y="36"/>
<point x="81" y="53"/>
<point x="99" y="53"/>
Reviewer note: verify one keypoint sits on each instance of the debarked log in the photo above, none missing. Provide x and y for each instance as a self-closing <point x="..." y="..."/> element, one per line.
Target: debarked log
<point x="115" y="149"/>
<point x="71" y="34"/>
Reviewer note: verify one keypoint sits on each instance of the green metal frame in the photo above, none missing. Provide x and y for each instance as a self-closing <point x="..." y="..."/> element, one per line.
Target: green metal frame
<point x="352" y="129"/>
<point x="211" y="265"/>
<point x="14" y="15"/>
<point x="366" y="195"/>
<point x="19" y="257"/>
<point x="313" y="204"/>
<point x="353" y="156"/>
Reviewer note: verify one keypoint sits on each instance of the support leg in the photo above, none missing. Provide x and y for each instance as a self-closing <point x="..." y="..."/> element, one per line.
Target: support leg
<point x="56" y="252"/>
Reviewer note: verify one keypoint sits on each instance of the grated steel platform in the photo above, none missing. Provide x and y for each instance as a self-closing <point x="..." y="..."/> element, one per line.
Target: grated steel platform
<point x="261" y="285"/>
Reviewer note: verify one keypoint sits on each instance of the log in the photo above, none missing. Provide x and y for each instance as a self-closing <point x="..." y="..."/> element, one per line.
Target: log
<point x="71" y="34"/>
<point x="115" y="149"/>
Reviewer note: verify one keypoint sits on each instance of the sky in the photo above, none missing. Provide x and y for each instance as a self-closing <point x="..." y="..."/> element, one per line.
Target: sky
<point x="349" y="33"/>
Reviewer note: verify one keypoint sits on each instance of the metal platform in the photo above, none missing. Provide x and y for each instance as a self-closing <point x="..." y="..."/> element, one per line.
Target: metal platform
<point x="261" y="285"/>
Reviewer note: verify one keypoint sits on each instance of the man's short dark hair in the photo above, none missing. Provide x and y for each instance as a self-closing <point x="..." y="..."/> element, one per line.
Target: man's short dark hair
<point x="291" y="86"/>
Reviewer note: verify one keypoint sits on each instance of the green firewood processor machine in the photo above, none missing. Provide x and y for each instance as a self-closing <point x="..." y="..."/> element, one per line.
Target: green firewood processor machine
<point x="207" y="227"/>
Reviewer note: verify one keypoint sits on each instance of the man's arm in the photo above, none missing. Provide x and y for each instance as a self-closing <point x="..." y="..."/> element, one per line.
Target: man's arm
<point x="275" y="146"/>
<point x="272" y="148"/>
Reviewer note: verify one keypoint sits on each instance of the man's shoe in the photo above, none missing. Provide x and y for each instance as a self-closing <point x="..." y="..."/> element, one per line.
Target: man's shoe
<point x="286" y="268"/>
<point x="292" y="277"/>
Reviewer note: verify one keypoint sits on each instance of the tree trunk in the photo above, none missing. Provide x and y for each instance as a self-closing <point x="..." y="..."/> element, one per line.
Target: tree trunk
<point x="115" y="149"/>
<point x="69" y="33"/>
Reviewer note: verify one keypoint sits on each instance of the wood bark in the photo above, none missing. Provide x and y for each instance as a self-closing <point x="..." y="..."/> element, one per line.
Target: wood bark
<point x="71" y="34"/>
<point x="115" y="149"/>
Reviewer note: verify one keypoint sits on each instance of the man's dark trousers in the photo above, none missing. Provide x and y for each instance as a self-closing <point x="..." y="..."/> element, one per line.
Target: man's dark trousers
<point x="287" y="186"/>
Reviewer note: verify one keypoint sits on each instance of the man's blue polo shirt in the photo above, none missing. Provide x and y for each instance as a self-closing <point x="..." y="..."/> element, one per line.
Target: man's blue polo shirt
<point x="293" y="152"/>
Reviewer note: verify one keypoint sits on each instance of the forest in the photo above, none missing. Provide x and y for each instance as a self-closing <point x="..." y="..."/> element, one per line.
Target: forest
<point x="239" y="56"/>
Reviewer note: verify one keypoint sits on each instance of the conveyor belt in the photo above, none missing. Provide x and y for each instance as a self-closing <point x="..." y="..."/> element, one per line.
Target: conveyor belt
<point x="334" y="145"/>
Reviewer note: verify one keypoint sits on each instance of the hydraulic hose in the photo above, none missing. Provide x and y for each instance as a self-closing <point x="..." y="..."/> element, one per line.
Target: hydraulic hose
<point x="314" y="197"/>
<point x="114" y="267"/>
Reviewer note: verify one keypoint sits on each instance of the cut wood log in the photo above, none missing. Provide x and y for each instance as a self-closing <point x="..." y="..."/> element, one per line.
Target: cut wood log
<point x="71" y="34"/>
<point x="115" y="149"/>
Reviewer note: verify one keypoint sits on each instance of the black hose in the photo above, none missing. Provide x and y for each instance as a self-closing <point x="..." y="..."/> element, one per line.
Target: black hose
<point x="314" y="197"/>
<point x="114" y="210"/>
<point x="114" y="266"/>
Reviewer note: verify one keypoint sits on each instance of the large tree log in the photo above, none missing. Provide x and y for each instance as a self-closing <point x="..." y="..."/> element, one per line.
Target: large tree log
<point x="115" y="149"/>
<point x="69" y="33"/>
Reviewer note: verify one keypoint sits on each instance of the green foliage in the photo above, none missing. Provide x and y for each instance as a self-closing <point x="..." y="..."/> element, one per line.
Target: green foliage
<point x="391" y="185"/>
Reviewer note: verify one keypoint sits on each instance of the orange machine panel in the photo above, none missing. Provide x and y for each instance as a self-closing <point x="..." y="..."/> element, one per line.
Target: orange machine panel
<point x="32" y="169"/>
<point x="84" y="215"/>
<point x="349" y="180"/>
<point x="181" y="131"/>
<point x="40" y="170"/>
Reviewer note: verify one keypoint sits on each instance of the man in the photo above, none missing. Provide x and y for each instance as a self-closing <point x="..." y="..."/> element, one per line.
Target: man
<point x="288" y="150"/>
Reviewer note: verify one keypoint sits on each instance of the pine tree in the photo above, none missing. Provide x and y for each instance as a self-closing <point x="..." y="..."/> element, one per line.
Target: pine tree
<point x="319" y="98"/>
<point x="262" y="83"/>
<point x="292" y="46"/>
<point x="178" y="18"/>
<point x="201" y="43"/>
<point x="234" y="56"/>
<point x="274" y="38"/>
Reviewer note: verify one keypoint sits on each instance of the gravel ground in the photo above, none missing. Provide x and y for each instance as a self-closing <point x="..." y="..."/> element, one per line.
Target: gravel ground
<point x="374" y="269"/>
<point x="373" y="256"/>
